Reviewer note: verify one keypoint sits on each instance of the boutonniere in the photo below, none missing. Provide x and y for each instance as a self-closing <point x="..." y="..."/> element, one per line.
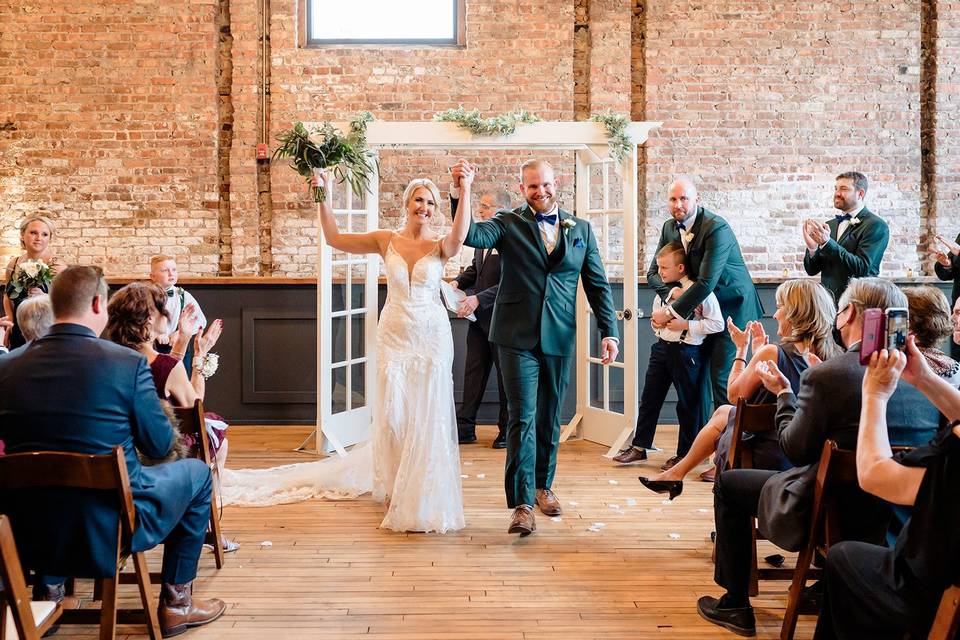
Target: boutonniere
<point x="855" y="221"/>
<point x="688" y="236"/>
<point x="567" y="224"/>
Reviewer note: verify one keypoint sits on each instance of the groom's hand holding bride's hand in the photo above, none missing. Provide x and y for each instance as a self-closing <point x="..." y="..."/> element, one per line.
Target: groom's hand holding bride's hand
<point x="468" y="306"/>
<point x="609" y="348"/>
<point x="462" y="170"/>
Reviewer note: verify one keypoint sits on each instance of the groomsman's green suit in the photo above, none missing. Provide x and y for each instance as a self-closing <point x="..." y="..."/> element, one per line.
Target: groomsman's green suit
<point x="856" y="254"/>
<point x="715" y="265"/>
<point x="534" y="326"/>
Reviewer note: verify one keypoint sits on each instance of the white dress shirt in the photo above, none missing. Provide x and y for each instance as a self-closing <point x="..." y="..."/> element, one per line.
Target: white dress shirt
<point x="688" y="226"/>
<point x="707" y="319"/>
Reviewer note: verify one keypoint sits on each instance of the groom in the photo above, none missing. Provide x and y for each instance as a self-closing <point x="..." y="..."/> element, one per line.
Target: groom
<point x="544" y="251"/>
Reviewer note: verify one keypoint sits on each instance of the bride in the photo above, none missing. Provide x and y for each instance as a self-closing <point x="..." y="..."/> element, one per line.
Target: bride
<point x="412" y="461"/>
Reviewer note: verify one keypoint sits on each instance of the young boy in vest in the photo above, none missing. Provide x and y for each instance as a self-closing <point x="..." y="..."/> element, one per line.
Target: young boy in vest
<point x="163" y="271"/>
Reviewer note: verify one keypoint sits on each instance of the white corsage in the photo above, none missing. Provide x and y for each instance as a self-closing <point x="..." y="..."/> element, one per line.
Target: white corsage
<point x="567" y="224"/>
<point x="855" y="221"/>
<point x="688" y="236"/>
<point x="207" y="365"/>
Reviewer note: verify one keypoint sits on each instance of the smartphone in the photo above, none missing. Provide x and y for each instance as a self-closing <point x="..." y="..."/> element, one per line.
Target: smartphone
<point x="897" y="327"/>
<point x="874" y="334"/>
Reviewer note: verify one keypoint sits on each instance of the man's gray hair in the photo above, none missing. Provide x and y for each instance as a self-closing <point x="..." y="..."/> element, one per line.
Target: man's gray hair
<point x="871" y="293"/>
<point x="500" y="198"/>
<point x="34" y="317"/>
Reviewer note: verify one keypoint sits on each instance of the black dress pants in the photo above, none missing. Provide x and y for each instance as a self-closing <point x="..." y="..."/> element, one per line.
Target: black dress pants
<point x="481" y="357"/>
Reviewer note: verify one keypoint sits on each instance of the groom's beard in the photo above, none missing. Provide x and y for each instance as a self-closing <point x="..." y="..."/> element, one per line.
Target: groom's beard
<point x="543" y="206"/>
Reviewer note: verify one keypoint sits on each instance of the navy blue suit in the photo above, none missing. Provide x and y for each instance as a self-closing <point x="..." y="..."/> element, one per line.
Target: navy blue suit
<point x="71" y="391"/>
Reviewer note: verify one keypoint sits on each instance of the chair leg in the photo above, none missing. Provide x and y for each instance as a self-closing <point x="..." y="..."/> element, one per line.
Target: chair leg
<point x="108" y="608"/>
<point x="146" y="596"/>
<point x="754" y="574"/>
<point x="218" y="554"/>
<point x="97" y="591"/>
<point x="796" y="587"/>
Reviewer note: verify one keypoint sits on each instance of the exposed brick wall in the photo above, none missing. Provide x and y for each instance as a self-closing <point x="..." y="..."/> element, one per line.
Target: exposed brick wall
<point x="108" y="116"/>
<point x="763" y="104"/>
<point x="109" y="126"/>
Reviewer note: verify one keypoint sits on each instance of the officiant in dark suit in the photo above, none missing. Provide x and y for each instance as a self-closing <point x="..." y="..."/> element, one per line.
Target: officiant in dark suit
<point x="545" y="254"/>
<point x="716" y="266"/>
<point x="480" y="282"/>
<point x="851" y="245"/>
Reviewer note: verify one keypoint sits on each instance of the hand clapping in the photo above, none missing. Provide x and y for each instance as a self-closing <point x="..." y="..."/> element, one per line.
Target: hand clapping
<point x="205" y="340"/>
<point x="771" y="376"/>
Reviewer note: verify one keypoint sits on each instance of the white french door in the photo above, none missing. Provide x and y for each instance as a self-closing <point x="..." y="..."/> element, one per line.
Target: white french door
<point x="606" y="196"/>
<point x="347" y="303"/>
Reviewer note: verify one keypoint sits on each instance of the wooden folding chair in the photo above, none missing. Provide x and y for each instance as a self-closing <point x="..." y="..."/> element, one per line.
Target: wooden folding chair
<point x="19" y="617"/>
<point x="106" y="473"/>
<point x="192" y="423"/>
<point x="947" y="622"/>
<point x="837" y="467"/>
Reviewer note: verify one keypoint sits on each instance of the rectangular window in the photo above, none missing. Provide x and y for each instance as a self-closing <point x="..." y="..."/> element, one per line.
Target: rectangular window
<point x="389" y="22"/>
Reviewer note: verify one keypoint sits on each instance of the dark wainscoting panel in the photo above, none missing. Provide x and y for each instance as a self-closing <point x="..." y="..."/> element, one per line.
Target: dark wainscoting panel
<point x="268" y="352"/>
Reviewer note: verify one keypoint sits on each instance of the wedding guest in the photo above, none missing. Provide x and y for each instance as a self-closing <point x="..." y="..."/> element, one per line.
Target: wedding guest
<point x="480" y="281"/>
<point x="826" y="407"/>
<point x="804" y="315"/>
<point x="849" y="246"/>
<point x="36" y="233"/>
<point x="163" y="272"/>
<point x="34" y="317"/>
<point x="103" y="397"/>
<point x="947" y="267"/>
<point x="931" y="323"/>
<point x="137" y="315"/>
<point x="716" y="266"/>
<point x="675" y="358"/>
<point x="874" y="591"/>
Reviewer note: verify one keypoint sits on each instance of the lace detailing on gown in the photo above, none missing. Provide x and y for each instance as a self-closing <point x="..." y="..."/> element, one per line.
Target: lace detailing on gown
<point x="412" y="458"/>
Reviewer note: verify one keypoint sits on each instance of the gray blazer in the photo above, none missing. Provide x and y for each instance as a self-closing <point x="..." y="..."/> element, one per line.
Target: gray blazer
<point x="827" y="407"/>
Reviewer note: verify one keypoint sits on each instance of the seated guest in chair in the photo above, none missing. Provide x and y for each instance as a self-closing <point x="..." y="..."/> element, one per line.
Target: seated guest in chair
<point x="826" y="407"/>
<point x="105" y="396"/>
<point x="873" y="591"/>
<point x="137" y="315"/>
<point x="804" y="315"/>
<point x="931" y="323"/>
<point x="34" y="317"/>
<point x="675" y="358"/>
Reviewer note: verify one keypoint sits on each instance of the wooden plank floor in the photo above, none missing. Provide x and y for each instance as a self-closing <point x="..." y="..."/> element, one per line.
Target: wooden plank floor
<point x="322" y="569"/>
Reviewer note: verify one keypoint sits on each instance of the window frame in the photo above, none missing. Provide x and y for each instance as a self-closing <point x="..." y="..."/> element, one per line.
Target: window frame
<point x="306" y="42"/>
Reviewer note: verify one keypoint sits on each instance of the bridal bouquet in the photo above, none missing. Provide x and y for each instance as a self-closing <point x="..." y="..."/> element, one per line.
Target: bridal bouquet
<point x="327" y="147"/>
<point x="30" y="274"/>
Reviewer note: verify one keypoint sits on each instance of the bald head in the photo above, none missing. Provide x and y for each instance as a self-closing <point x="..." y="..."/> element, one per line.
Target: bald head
<point x="682" y="199"/>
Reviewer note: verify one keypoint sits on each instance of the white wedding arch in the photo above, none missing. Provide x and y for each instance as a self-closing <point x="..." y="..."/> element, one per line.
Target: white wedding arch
<point x="605" y="195"/>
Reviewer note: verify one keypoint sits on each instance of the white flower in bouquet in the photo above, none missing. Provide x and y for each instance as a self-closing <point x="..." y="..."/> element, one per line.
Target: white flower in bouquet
<point x="31" y="274"/>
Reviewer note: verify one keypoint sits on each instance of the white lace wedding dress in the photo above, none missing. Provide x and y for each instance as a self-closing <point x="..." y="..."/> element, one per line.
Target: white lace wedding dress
<point x="412" y="460"/>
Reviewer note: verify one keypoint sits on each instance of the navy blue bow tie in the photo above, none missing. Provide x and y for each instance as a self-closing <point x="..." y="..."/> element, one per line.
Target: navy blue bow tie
<point x="681" y="226"/>
<point x="549" y="219"/>
<point x="840" y="219"/>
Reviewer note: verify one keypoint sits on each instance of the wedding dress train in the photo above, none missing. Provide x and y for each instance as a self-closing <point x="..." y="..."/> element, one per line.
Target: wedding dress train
<point x="412" y="459"/>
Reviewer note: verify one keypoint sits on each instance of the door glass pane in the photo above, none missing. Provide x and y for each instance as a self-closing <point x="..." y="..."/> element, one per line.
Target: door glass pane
<point x="338" y="395"/>
<point x="358" y="396"/>
<point x="595" y="194"/>
<point x="337" y="298"/>
<point x="593" y="337"/>
<point x="596" y="385"/>
<point x="616" y="389"/>
<point x="338" y="339"/>
<point x="358" y="344"/>
<point x="358" y="275"/>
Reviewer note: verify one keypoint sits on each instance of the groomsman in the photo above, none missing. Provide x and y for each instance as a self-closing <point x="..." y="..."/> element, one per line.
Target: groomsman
<point x="716" y="266"/>
<point x="851" y="245"/>
<point x="480" y="281"/>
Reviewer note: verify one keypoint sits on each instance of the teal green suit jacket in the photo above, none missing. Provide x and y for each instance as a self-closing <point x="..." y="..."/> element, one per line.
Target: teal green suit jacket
<point x="856" y="254"/>
<point x="715" y="265"/>
<point x="537" y="298"/>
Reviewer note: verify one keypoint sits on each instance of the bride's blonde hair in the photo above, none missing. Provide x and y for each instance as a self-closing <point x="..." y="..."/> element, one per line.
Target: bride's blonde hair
<point x="427" y="184"/>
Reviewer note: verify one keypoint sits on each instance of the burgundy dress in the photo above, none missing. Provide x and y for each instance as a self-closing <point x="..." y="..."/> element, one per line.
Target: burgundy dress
<point x="160" y="368"/>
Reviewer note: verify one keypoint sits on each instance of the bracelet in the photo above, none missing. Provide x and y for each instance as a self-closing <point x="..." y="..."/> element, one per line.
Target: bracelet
<point x="176" y="354"/>
<point x="741" y="360"/>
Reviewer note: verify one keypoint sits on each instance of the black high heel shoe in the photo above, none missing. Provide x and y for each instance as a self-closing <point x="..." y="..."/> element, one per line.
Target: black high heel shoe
<point x="672" y="487"/>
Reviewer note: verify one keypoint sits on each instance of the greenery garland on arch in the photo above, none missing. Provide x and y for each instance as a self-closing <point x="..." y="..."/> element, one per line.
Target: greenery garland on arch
<point x="617" y="137"/>
<point x="502" y="125"/>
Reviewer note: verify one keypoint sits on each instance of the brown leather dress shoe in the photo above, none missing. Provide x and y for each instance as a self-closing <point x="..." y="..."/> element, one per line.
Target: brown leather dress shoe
<point x="523" y="521"/>
<point x="178" y="611"/>
<point x="670" y="464"/>
<point x="548" y="502"/>
<point x="630" y="455"/>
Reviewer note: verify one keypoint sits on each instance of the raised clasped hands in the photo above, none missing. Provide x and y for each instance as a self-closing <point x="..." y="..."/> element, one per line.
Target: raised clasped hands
<point x="462" y="173"/>
<point x="609" y="348"/>
<point x="771" y="376"/>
